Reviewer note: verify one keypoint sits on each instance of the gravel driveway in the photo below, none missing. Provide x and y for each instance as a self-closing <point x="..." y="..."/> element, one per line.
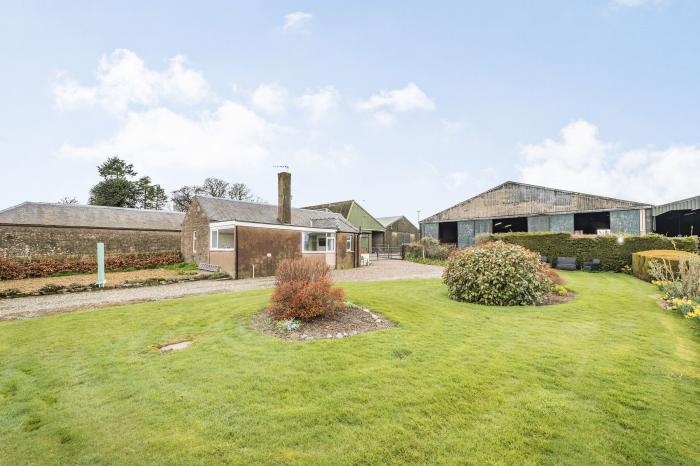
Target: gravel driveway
<point x="36" y="306"/>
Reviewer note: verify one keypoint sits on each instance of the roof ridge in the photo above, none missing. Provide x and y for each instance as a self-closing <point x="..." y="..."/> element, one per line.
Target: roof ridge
<point x="90" y="206"/>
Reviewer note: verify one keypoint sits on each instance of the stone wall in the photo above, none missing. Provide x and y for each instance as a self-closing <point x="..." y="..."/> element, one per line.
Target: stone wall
<point x="196" y="224"/>
<point x="32" y="241"/>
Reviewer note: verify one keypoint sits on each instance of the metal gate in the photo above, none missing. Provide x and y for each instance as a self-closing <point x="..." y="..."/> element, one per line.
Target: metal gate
<point x="386" y="253"/>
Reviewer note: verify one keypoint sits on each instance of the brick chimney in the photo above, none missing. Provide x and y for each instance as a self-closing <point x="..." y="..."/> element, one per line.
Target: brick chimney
<point x="284" y="197"/>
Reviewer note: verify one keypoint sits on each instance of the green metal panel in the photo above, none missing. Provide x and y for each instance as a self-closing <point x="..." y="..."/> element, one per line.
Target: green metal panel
<point x="101" y="265"/>
<point x="624" y="221"/>
<point x="561" y="223"/>
<point x="482" y="226"/>
<point x="360" y="218"/>
<point x="539" y="223"/>
<point x="465" y="234"/>
<point x="429" y="230"/>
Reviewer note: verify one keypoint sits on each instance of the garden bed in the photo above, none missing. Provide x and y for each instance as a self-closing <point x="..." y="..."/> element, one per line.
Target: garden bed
<point x="86" y="282"/>
<point x="352" y="320"/>
<point x="555" y="298"/>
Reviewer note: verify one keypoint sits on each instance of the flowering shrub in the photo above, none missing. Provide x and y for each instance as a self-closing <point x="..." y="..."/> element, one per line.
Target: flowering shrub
<point x="687" y="307"/>
<point x="304" y="290"/>
<point x="497" y="274"/>
<point x="13" y="268"/>
<point x="427" y="248"/>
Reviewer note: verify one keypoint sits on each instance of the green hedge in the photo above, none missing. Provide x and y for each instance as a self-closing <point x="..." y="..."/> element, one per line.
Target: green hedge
<point x="642" y="260"/>
<point x="614" y="252"/>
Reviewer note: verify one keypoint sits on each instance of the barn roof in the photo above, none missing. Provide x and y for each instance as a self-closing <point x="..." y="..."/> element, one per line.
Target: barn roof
<point x="222" y="210"/>
<point x="386" y="221"/>
<point x="512" y="199"/>
<point x="692" y="203"/>
<point x="89" y="216"/>
<point x="353" y="212"/>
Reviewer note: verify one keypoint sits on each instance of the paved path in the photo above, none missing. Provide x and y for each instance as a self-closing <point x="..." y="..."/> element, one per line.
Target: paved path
<point x="36" y="306"/>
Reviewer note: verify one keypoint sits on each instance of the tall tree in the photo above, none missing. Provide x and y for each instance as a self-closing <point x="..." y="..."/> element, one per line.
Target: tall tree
<point x="215" y="187"/>
<point x="149" y="195"/>
<point x="114" y="167"/>
<point x="183" y="197"/>
<point x="240" y="192"/>
<point x="119" y="189"/>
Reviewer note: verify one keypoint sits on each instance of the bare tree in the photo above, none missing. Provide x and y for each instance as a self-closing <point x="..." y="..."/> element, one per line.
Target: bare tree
<point x="215" y="187"/>
<point x="240" y="192"/>
<point x="183" y="197"/>
<point x="68" y="200"/>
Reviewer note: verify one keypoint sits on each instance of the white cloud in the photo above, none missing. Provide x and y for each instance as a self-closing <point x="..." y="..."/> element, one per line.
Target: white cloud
<point x="232" y="136"/>
<point x="581" y="161"/>
<point x="386" y="104"/>
<point x="298" y="21"/>
<point x="270" y="98"/>
<point x="124" y="80"/>
<point x="384" y="118"/>
<point x="317" y="104"/>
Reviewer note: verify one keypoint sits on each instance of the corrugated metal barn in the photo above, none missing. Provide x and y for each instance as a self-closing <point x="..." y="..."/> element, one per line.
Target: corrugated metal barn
<point x="519" y="207"/>
<point x="678" y="218"/>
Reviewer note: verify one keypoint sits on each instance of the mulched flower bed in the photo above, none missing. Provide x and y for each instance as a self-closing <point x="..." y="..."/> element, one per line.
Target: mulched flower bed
<point x="554" y="298"/>
<point x="351" y="321"/>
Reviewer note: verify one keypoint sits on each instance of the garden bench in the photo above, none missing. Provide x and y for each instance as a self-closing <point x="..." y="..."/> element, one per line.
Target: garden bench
<point x="592" y="266"/>
<point x="566" y="263"/>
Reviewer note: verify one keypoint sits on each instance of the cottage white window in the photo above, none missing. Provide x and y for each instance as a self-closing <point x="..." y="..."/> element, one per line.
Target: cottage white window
<point x="194" y="242"/>
<point x="318" y="242"/>
<point x="348" y="244"/>
<point x="223" y="239"/>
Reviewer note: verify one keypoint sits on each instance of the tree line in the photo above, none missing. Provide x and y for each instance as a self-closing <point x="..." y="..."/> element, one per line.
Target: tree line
<point x="122" y="187"/>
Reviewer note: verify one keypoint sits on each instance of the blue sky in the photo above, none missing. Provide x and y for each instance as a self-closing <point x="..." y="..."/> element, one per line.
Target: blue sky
<point x="400" y="105"/>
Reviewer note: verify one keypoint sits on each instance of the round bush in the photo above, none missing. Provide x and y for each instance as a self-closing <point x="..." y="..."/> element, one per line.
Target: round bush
<point x="497" y="274"/>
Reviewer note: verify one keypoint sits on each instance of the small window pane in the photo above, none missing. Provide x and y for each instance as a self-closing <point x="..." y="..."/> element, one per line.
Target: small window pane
<point x="214" y="239"/>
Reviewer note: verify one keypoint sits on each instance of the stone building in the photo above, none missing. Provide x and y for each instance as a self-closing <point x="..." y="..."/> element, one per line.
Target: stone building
<point x="398" y="231"/>
<point x="519" y="207"/>
<point x="248" y="239"/>
<point x="34" y="229"/>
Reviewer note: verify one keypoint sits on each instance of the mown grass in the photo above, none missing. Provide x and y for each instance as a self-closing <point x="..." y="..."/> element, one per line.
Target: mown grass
<point x="607" y="378"/>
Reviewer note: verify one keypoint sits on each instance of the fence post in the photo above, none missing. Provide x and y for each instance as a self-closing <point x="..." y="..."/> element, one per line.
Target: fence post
<point x="101" y="265"/>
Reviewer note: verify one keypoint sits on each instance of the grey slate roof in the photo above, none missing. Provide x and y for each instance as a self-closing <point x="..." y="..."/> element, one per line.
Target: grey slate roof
<point x="88" y="216"/>
<point x="222" y="210"/>
<point x="386" y="221"/>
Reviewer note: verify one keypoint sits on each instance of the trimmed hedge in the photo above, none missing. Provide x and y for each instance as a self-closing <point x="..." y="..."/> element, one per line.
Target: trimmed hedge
<point x="18" y="268"/>
<point x="642" y="260"/>
<point x="614" y="252"/>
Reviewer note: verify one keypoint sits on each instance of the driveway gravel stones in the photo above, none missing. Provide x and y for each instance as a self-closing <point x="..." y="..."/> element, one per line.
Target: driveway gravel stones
<point x="37" y="306"/>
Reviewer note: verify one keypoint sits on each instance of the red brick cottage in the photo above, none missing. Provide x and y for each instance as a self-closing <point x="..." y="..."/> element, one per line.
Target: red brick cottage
<point x="248" y="239"/>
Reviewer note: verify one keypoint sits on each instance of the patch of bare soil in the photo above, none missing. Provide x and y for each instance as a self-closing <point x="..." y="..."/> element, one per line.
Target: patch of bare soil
<point x="554" y="298"/>
<point x="348" y="322"/>
<point x="113" y="278"/>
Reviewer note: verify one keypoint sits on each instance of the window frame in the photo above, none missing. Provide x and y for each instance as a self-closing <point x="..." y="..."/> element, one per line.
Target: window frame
<point x="349" y="240"/>
<point x="330" y="239"/>
<point x="218" y="239"/>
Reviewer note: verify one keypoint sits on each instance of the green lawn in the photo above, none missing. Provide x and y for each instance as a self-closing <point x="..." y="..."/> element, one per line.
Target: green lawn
<point x="607" y="378"/>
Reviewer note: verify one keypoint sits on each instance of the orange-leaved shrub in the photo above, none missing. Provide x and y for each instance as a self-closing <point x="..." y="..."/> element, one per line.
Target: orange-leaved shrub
<point x="304" y="290"/>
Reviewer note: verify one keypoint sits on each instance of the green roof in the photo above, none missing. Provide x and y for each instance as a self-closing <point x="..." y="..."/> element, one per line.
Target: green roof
<point x="354" y="213"/>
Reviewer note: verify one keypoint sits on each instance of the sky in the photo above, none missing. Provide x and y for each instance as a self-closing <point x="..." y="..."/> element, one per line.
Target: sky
<point x="404" y="106"/>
